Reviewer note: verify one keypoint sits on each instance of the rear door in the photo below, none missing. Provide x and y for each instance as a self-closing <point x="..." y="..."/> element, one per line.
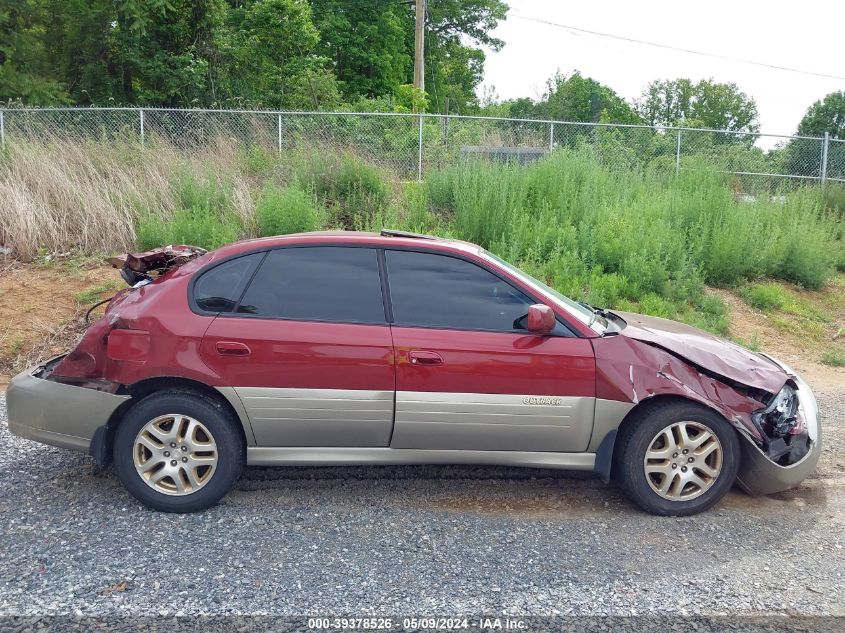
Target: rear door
<point x="307" y="348"/>
<point x="468" y="375"/>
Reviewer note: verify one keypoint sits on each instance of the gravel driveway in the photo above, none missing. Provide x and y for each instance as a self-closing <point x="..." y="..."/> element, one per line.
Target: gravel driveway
<point x="412" y="540"/>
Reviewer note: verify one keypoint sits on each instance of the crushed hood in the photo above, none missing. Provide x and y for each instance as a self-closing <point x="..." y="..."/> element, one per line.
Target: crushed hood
<point x="707" y="351"/>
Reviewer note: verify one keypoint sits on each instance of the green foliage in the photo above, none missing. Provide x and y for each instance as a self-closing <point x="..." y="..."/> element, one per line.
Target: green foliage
<point x="269" y="48"/>
<point x="352" y="191"/>
<point x="26" y="71"/>
<point x="198" y="227"/>
<point x="835" y="357"/>
<point x="765" y="297"/>
<point x="367" y="45"/>
<point x="291" y="54"/>
<point x="708" y="104"/>
<point x="825" y="115"/>
<point x="286" y="210"/>
<point x="578" y="98"/>
<point x="629" y="239"/>
<point x="204" y="216"/>
<point x="94" y="293"/>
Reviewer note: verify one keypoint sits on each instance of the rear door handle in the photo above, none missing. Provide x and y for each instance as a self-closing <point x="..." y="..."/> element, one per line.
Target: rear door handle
<point x="425" y="358"/>
<point x="232" y="348"/>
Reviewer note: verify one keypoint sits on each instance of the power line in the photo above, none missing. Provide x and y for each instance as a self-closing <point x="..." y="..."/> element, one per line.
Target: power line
<point x="675" y="48"/>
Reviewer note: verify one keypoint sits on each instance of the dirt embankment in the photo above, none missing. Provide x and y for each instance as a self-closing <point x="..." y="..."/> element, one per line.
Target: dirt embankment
<point x="42" y="309"/>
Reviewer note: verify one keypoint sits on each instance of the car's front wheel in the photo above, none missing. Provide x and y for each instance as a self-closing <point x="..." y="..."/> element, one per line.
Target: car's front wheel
<point x="676" y="458"/>
<point x="178" y="451"/>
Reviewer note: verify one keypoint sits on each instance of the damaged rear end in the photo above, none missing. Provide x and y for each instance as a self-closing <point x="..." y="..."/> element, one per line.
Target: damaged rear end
<point x="70" y="398"/>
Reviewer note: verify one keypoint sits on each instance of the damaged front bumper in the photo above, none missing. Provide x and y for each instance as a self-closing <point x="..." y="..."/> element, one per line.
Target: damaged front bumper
<point x="758" y="474"/>
<point x="55" y="413"/>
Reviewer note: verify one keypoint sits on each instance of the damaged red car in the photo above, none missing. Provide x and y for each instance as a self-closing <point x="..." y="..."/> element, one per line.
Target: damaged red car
<point x="395" y="348"/>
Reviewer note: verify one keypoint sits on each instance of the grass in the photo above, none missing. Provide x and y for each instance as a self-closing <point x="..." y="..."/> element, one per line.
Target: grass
<point x="95" y="293"/>
<point x="635" y="239"/>
<point x="764" y="297"/>
<point x="835" y="357"/>
<point x="287" y="210"/>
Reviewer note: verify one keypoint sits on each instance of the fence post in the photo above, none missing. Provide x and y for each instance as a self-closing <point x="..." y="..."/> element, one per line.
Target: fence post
<point x="279" y="127"/>
<point x="551" y="136"/>
<point x="141" y="120"/>
<point x="678" y="154"/>
<point x="2" y="128"/>
<point x="826" y="144"/>
<point x="420" y="150"/>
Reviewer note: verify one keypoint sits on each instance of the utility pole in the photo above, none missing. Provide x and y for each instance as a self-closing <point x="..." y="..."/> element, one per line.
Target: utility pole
<point x="419" y="44"/>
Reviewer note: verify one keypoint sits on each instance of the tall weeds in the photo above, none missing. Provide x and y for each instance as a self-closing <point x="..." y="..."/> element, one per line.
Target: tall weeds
<point x="632" y="238"/>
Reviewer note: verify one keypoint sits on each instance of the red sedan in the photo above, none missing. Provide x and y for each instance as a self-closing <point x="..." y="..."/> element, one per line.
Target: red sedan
<point x="395" y="348"/>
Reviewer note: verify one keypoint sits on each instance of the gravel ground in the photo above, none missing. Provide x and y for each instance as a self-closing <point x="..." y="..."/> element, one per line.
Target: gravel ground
<point x="414" y="541"/>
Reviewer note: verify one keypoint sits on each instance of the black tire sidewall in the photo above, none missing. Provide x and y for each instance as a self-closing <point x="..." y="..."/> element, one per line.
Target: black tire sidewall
<point x="230" y="450"/>
<point x="633" y="477"/>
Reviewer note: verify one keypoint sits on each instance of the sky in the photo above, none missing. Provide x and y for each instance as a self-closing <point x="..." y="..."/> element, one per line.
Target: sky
<point x="805" y="35"/>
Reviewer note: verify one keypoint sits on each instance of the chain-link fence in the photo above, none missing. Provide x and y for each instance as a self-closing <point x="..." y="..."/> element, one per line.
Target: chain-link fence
<point x="410" y="144"/>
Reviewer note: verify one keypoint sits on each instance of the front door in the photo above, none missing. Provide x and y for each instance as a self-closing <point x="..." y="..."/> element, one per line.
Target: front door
<point x="308" y="349"/>
<point x="468" y="376"/>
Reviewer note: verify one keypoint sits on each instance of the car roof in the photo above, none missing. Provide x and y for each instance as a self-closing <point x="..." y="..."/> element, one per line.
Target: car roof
<point x="385" y="239"/>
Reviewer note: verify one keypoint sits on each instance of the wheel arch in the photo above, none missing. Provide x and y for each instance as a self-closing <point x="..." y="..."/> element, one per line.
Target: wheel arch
<point x="103" y="440"/>
<point x="606" y="452"/>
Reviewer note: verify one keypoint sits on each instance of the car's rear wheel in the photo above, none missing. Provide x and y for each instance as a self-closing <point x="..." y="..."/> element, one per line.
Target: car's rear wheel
<point x="178" y="451"/>
<point x="676" y="458"/>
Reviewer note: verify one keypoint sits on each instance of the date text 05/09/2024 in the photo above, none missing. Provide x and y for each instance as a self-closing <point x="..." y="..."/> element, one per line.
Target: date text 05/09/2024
<point x="417" y="624"/>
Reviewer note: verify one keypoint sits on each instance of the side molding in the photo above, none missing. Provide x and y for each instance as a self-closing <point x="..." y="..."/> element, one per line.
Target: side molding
<point x="331" y="456"/>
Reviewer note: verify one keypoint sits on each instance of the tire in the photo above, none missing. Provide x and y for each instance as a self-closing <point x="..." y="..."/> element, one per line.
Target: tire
<point x="656" y="438"/>
<point x="208" y="457"/>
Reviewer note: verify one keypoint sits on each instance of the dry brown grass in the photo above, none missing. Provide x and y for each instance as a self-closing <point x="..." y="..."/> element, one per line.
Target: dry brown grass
<point x="63" y="196"/>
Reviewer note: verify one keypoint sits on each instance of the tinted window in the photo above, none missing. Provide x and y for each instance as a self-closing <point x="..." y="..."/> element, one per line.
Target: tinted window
<point x="218" y="289"/>
<point x="317" y="283"/>
<point x="444" y="292"/>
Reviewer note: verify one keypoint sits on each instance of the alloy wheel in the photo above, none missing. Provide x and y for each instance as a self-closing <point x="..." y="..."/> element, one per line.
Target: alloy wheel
<point x="683" y="461"/>
<point x="175" y="454"/>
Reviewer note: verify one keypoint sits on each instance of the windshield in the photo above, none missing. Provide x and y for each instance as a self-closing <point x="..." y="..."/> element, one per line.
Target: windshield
<point x="577" y="310"/>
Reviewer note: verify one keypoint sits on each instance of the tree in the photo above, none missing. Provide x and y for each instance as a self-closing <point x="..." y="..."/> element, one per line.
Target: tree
<point x="803" y="155"/>
<point x="578" y="98"/>
<point x="826" y="115"/>
<point x="454" y="67"/>
<point x="680" y="102"/>
<point x="370" y="47"/>
<point x="26" y="72"/>
<point x="365" y="45"/>
<point x="269" y="59"/>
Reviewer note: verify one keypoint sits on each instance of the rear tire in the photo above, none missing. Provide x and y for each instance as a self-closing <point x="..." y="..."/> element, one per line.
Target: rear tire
<point x="178" y="451"/>
<point x="676" y="458"/>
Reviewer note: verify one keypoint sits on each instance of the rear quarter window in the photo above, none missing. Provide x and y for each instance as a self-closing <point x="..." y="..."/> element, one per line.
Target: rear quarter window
<point x="218" y="289"/>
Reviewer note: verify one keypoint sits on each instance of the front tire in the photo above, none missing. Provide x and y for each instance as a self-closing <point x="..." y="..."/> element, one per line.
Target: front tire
<point x="178" y="451"/>
<point x="676" y="459"/>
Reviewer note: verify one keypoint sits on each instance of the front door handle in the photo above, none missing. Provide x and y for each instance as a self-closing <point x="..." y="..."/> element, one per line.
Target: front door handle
<point x="425" y="358"/>
<point x="232" y="348"/>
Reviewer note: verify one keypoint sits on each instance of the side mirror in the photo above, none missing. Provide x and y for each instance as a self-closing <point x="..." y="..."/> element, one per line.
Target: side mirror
<point x="541" y="319"/>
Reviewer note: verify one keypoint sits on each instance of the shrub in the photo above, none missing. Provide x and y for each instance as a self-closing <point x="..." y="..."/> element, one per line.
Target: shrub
<point x="350" y="189"/>
<point x="287" y="210"/>
<point x="765" y="297"/>
<point x="195" y="227"/>
<point x="834" y="357"/>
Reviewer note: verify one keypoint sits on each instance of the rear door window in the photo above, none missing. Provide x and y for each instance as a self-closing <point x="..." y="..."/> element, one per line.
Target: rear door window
<point x="320" y="283"/>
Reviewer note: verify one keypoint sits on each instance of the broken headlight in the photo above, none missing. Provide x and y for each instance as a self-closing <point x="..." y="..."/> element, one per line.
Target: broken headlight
<point x="780" y="417"/>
